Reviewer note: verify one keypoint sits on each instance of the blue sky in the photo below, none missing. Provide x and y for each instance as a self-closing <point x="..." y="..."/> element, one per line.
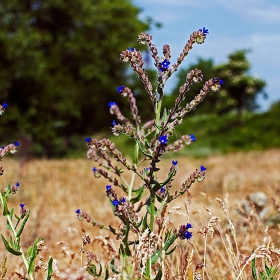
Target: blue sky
<point x="232" y="25"/>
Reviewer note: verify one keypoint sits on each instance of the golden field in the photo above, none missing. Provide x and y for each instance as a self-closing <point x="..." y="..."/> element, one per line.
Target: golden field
<point x="54" y="189"/>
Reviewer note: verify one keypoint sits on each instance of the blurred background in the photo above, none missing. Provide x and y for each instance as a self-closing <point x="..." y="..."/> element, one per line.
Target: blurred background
<point x="59" y="68"/>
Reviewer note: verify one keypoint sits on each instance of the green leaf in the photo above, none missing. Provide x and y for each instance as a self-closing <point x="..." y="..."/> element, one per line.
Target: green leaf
<point x="50" y="268"/>
<point x="254" y="271"/>
<point x="155" y="256"/>
<point x="136" y="154"/>
<point x="164" y="116"/>
<point x="124" y="188"/>
<point x="33" y="256"/>
<point x="169" y="242"/>
<point x="107" y="273"/>
<point x="112" y="230"/>
<point x="5" y="206"/>
<point x="139" y="193"/>
<point x="144" y="150"/>
<point x="91" y="269"/>
<point x="114" y="270"/>
<point x="10" y="249"/>
<point x="158" y="126"/>
<point x="145" y="224"/>
<point x="23" y="224"/>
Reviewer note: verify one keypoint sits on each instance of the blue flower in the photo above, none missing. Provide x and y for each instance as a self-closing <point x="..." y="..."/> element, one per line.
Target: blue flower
<point x="16" y="143"/>
<point x="202" y="168"/>
<point x="204" y="31"/>
<point x="162" y="190"/>
<point x="188" y="225"/>
<point x="115" y="202"/>
<point x="183" y="232"/>
<point x="78" y="211"/>
<point x="174" y="162"/>
<point x="131" y="49"/>
<point x="94" y="169"/>
<point x="188" y="235"/>
<point x="193" y="139"/>
<point x="164" y="65"/>
<point x="87" y="139"/>
<point x="108" y="188"/>
<point x="221" y="82"/>
<point x="120" y="89"/>
<point x="163" y="139"/>
<point x="5" y="105"/>
<point x="113" y="123"/>
<point x="22" y="205"/>
<point x="123" y="200"/>
<point x="17" y="184"/>
<point x="112" y="103"/>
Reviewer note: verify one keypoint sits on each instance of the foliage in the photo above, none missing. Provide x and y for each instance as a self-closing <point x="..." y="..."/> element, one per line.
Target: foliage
<point x="57" y="63"/>
<point x="240" y="89"/>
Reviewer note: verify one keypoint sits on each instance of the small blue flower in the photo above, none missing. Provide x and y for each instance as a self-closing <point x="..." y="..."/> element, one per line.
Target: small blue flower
<point x="221" y="82"/>
<point x="5" y="105"/>
<point x="87" y="139"/>
<point x="188" y="235"/>
<point x="16" y="143"/>
<point x="120" y="89"/>
<point x="164" y="65"/>
<point x="94" y="169"/>
<point x="204" y="31"/>
<point x="202" y="168"/>
<point x="113" y="123"/>
<point x="163" y="139"/>
<point x="174" y="162"/>
<point x="112" y="103"/>
<point x="108" y="188"/>
<point x="17" y="184"/>
<point x="22" y="205"/>
<point x="193" y="139"/>
<point x="162" y="190"/>
<point x="188" y="225"/>
<point x="115" y="202"/>
<point x="78" y="211"/>
<point x="131" y="49"/>
<point x="123" y="200"/>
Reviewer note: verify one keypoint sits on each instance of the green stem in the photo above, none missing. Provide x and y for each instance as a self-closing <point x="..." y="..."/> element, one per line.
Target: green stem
<point x="15" y="235"/>
<point x="151" y="227"/>
<point x="135" y="162"/>
<point x="20" y="249"/>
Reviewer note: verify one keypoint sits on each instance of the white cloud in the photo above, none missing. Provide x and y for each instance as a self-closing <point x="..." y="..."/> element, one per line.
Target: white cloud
<point x="260" y="10"/>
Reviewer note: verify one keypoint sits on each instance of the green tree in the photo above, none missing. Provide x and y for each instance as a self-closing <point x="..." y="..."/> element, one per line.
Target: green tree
<point x="239" y="91"/>
<point x="59" y="64"/>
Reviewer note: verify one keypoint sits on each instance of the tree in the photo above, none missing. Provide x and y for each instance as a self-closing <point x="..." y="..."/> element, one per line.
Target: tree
<point x="239" y="91"/>
<point x="59" y="64"/>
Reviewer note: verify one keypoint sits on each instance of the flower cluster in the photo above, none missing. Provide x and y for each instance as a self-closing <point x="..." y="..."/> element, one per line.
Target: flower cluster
<point x="3" y="107"/>
<point x="184" y="233"/>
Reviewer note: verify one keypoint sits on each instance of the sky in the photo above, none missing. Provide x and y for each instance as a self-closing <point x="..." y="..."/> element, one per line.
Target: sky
<point x="232" y="25"/>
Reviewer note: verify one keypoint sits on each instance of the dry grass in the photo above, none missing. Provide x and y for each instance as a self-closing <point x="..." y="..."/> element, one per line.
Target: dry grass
<point x="54" y="189"/>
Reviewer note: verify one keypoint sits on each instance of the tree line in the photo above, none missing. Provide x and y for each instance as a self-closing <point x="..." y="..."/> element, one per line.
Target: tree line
<point x="59" y="68"/>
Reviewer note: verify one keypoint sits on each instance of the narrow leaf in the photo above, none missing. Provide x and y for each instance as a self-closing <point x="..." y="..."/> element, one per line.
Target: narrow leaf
<point x="23" y="224"/>
<point x="10" y="249"/>
<point x="50" y="270"/>
<point x="254" y="271"/>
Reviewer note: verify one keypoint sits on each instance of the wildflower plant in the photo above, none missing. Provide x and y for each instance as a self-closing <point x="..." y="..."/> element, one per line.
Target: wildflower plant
<point x="16" y="221"/>
<point x="144" y="236"/>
